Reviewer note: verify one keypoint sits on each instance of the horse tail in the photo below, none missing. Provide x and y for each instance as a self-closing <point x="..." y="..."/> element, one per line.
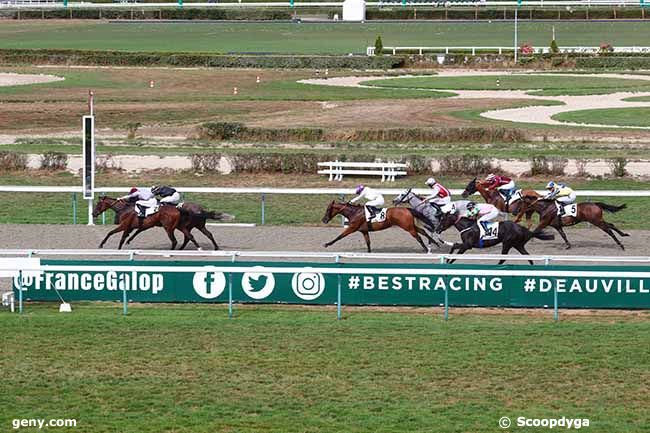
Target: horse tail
<point x="420" y="217"/>
<point x="543" y="236"/>
<point x="610" y="208"/>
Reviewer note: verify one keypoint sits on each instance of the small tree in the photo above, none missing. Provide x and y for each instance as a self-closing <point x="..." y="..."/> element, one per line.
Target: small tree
<point x="554" y="48"/>
<point x="379" y="46"/>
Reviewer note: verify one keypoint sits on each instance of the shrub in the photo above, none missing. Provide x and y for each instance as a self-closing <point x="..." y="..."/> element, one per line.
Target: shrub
<point x="581" y="168"/>
<point x="464" y="164"/>
<point x="617" y="165"/>
<point x="527" y="49"/>
<point x="205" y="161"/>
<point x="13" y="160"/>
<point x="542" y="165"/>
<point x="220" y="130"/>
<point x="379" y="46"/>
<point x="606" y="48"/>
<point x="554" y="49"/>
<point x="54" y="161"/>
<point x="106" y="162"/>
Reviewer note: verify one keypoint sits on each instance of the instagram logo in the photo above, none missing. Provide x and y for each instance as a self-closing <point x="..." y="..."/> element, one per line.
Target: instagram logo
<point x="308" y="285"/>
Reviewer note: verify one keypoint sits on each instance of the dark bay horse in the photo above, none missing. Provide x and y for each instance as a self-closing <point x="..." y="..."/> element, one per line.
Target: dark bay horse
<point x="192" y="216"/>
<point x="494" y="198"/>
<point x="586" y="212"/>
<point x="511" y="235"/>
<point x="168" y="217"/>
<point x="402" y="217"/>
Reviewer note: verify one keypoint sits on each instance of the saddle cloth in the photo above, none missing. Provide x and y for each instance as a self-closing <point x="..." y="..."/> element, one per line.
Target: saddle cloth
<point x="492" y="231"/>
<point x="150" y="210"/>
<point x="569" y="210"/>
<point x="514" y="197"/>
<point x="379" y="217"/>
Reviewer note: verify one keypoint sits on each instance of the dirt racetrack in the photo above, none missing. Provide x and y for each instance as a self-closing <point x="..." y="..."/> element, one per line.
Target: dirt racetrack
<point x="587" y="241"/>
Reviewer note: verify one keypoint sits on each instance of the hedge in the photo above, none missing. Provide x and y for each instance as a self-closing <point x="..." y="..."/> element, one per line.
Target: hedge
<point x="166" y="14"/>
<point x="614" y="62"/>
<point x="122" y="58"/>
<point x="239" y="132"/>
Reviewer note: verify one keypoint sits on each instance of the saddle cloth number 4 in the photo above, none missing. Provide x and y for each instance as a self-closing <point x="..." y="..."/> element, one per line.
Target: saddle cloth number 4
<point x="492" y="231"/>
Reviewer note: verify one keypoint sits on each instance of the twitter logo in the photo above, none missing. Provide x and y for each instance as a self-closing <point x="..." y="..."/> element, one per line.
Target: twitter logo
<point x="258" y="284"/>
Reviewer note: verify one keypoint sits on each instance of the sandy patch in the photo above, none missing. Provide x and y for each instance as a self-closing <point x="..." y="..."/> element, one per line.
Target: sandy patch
<point x="12" y="79"/>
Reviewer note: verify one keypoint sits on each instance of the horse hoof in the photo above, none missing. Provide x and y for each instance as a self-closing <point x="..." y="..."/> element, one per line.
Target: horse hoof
<point x="568" y="247"/>
<point x="199" y="249"/>
<point x="325" y="245"/>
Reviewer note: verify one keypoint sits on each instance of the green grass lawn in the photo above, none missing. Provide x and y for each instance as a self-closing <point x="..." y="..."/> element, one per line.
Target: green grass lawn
<point x="178" y="368"/>
<point x="280" y="209"/>
<point x="548" y="84"/>
<point x="639" y="116"/>
<point x="305" y="38"/>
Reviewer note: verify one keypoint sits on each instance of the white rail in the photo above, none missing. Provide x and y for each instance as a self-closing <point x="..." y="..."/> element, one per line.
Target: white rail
<point x="370" y="51"/>
<point x="300" y="191"/>
<point x="433" y="258"/>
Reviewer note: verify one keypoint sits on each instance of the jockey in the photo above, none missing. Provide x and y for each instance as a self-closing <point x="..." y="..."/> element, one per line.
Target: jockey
<point x="502" y="184"/>
<point x="168" y="194"/>
<point x="561" y="193"/>
<point x="145" y="199"/>
<point x="440" y="196"/>
<point x="375" y="199"/>
<point x="485" y="212"/>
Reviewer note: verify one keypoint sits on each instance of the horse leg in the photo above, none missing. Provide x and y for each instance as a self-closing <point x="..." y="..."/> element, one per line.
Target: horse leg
<point x="207" y="233"/>
<point x="170" y="234"/>
<point x="522" y="250"/>
<point x="366" y="236"/>
<point x="560" y="230"/>
<point x="461" y="249"/>
<point x="505" y="247"/>
<point x="124" y="235"/>
<point x="137" y="232"/>
<point x="345" y="233"/>
<point x="426" y="235"/>
<point x="605" y="227"/>
<point x="417" y="237"/>
<point x="111" y="233"/>
<point x="529" y="219"/>
<point x="616" y="229"/>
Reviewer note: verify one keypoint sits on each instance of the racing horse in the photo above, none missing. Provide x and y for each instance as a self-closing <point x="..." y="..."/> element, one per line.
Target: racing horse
<point x="192" y="216"/>
<point x="168" y="217"/>
<point x="585" y="212"/>
<point x="402" y="217"/>
<point x="511" y="235"/>
<point x="431" y="212"/>
<point x="496" y="199"/>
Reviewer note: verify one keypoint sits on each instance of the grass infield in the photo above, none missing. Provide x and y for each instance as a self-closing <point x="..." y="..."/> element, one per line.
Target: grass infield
<point x="185" y="368"/>
<point x="306" y="38"/>
<point x="639" y="116"/>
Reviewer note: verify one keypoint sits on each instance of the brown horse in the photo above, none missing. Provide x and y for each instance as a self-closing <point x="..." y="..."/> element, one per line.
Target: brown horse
<point x="167" y="217"/>
<point x="586" y="212"/>
<point x="404" y="218"/>
<point x="192" y="216"/>
<point x="494" y="198"/>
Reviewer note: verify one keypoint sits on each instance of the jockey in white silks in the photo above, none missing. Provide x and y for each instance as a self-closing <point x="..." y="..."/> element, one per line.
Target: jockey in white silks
<point x="440" y="196"/>
<point x="484" y="212"/>
<point x="145" y="199"/>
<point x="374" y="199"/>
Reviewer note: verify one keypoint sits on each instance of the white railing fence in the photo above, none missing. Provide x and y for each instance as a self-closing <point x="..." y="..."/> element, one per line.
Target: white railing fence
<point x="370" y="51"/>
<point x="339" y="193"/>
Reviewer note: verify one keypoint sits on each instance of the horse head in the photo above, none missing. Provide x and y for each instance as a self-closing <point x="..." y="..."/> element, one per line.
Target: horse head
<point x="103" y="204"/>
<point x="403" y="197"/>
<point x="447" y="220"/>
<point x="470" y="188"/>
<point x="332" y="210"/>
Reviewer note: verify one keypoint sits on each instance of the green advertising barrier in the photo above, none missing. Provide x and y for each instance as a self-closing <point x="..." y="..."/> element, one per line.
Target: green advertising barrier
<point x="352" y="283"/>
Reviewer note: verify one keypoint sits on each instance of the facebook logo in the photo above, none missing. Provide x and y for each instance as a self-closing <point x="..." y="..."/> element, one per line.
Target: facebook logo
<point x="209" y="285"/>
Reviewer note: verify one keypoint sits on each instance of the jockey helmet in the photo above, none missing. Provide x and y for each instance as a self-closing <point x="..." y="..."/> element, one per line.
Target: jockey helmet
<point x="490" y="176"/>
<point x="132" y="190"/>
<point x="550" y="185"/>
<point x="430" y="182"/>
<point x="471" y="205"/>
<point x="359" y="188"/>
<point x="155" y="189"/>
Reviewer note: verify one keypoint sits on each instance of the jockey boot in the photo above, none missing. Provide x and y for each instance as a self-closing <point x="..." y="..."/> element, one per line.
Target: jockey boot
<point x="372" y="212"/>
<point x="560" y="211"/>
<point x="141" y="211"/>
<point x="484" y="225"/>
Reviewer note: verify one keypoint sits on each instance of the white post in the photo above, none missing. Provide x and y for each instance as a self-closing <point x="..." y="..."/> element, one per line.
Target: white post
<point x="516" y="36"/>
<point x="90" y="212"/>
